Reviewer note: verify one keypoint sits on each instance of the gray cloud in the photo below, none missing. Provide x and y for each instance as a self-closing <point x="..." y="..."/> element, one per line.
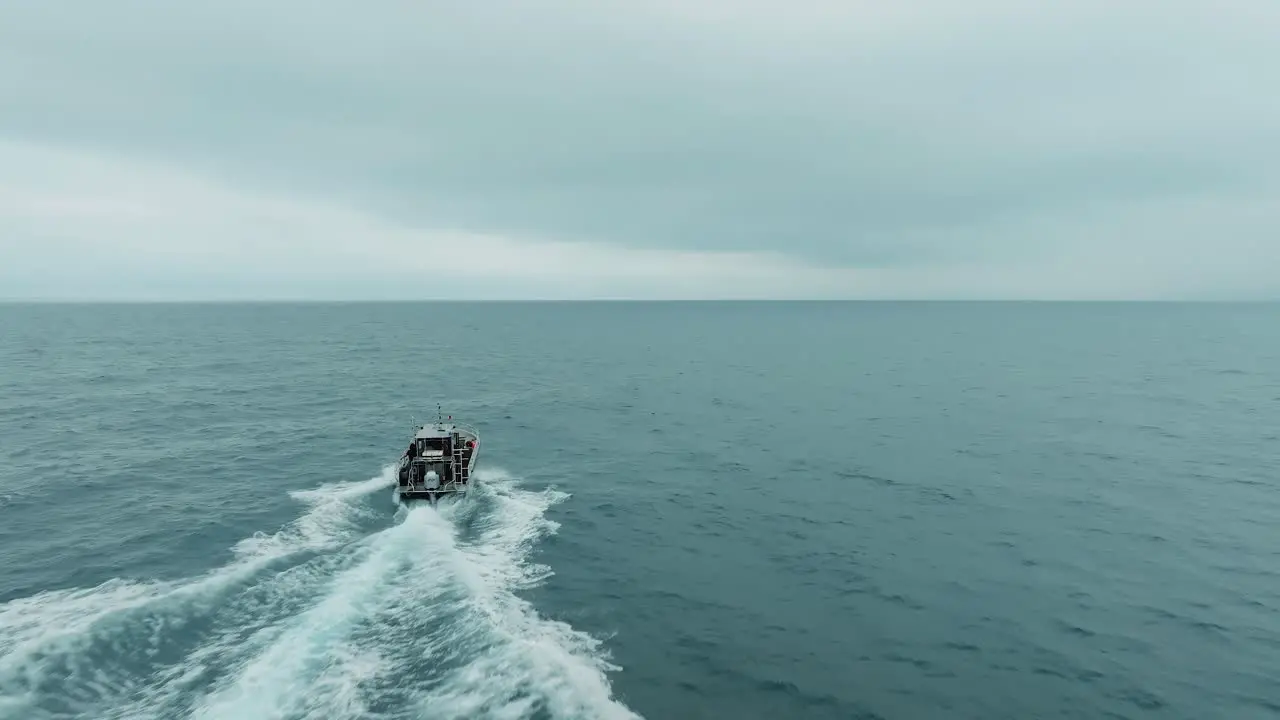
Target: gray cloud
<point x="1000" y="148"/>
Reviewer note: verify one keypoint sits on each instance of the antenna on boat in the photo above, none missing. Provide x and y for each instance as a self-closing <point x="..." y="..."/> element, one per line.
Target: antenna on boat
<point x="438" y="414"/>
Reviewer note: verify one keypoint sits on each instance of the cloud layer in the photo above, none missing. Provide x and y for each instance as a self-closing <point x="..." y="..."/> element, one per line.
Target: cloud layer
<point x="387" y="149"/>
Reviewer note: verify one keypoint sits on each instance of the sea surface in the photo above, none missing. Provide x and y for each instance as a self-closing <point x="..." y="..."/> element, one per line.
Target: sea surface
<point x="685" y="510"/>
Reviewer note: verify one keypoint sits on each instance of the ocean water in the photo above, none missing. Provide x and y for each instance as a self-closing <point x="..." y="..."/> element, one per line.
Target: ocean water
<point x="686" y="510"/>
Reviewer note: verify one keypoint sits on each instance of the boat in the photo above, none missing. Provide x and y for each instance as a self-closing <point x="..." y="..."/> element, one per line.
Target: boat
<point x="440" y="461"/>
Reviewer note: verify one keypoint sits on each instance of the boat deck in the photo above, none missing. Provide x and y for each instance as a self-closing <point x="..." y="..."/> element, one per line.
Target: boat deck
<point x="438" y="468"/>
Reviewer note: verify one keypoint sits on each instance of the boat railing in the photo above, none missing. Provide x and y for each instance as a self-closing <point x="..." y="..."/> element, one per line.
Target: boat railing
<point x="467" y="428"/>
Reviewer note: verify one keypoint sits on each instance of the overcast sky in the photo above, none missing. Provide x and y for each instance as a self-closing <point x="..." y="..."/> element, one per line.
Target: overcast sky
<point x="378" y="149"/>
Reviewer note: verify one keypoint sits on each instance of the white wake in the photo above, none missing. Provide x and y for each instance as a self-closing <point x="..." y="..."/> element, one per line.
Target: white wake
<point x="46" y="631"/>
<point x="419" y="619"/>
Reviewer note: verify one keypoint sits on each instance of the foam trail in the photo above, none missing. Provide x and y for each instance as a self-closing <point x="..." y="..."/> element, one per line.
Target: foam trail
<point x="425" y="623"/>
<point x="60" y="624"/>
<point x="252" y="621"/>
<point x="277" y="681"/>
<point x="420" y="619"/>
<point x="526" y="662"/>
<point x="331" y="510"/>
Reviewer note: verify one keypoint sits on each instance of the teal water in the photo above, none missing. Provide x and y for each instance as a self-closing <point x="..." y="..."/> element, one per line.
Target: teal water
<point x="688" y="510"/>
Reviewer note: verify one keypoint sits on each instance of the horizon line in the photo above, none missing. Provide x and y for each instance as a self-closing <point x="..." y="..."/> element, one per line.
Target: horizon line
<point x="563" y="301"/>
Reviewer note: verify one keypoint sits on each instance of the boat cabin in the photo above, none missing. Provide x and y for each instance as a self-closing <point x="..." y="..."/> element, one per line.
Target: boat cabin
<point x="433" y="442"/>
